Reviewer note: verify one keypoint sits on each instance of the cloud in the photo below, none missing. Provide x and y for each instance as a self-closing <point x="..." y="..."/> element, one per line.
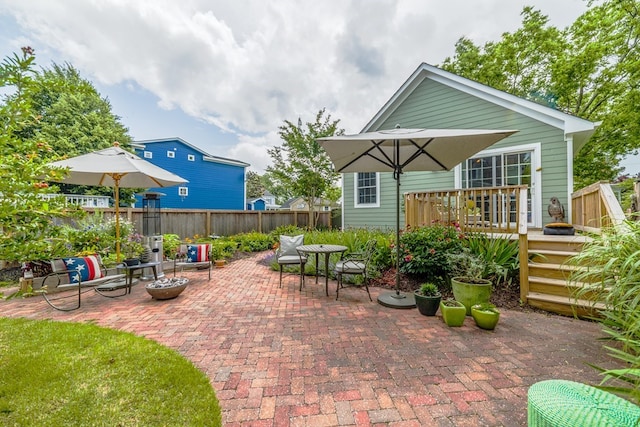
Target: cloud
<point x="247" y="65"/>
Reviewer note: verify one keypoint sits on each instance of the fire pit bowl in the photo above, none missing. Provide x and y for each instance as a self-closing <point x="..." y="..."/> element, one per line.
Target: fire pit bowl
<point x="167" y="288"/>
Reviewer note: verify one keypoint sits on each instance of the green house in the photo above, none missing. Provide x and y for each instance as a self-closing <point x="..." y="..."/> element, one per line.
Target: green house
<point x="540" y="155"/>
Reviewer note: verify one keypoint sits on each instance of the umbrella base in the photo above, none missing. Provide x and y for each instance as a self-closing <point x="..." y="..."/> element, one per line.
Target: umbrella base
<point x="397" y="300"/>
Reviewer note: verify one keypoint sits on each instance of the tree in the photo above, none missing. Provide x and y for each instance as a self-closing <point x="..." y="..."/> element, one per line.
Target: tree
<point x="255" y="187"/>
<point x="74" y="119"/>
<point x="26" y="215"/>
<point x="300" y="166"/>
<point x="591" y="70"/>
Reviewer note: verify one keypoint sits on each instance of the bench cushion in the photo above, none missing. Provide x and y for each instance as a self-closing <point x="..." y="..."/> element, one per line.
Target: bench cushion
<point x="198" y="253"/>
<point x="87" y="268"/>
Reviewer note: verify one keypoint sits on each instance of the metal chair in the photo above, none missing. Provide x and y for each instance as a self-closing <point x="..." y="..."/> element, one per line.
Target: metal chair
<point x="355" y="263"/>
<point x="286" y="254"/>
<point x="193" y="256"/>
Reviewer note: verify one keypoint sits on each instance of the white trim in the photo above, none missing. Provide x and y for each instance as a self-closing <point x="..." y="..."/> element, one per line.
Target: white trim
<point x="536" y="175"/>
<point x="183" y="191"/>
<point x="570" y="183"/>
<point x="355" y="192"/>
<point x="171" y="154"/>
<point x="191" y="157"/>
<point x="148" y="155"/>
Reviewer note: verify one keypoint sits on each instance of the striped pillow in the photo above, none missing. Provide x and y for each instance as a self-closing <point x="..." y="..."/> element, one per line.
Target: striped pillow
<point x="198" y="253"/>
<point x="83" y="268"/>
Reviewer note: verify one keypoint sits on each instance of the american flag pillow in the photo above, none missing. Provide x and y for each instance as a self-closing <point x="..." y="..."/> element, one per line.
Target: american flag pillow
<point x="198" y="253"/>
<point x="85" y="268"/>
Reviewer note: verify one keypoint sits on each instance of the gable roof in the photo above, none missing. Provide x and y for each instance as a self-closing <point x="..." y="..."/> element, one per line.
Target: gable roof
<point x="205" y="156"/>
<point x="580" y="129"/>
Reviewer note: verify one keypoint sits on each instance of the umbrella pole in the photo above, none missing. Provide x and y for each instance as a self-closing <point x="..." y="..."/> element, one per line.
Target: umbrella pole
<point x="397" y="299"/>
<point x="117" y="201"/>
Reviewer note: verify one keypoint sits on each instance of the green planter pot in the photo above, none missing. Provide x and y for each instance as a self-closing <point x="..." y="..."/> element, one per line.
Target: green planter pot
<point x="453" y="315"/>
<point x="485" y="319"/>
<point x="471" y="294"/>
<point x="427" y="305"/>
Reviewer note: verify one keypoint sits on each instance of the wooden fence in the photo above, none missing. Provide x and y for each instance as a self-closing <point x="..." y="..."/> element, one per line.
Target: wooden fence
<point x="191" y="222"/>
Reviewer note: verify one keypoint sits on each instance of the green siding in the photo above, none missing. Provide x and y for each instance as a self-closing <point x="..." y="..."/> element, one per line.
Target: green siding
<point x="434" y="105"/>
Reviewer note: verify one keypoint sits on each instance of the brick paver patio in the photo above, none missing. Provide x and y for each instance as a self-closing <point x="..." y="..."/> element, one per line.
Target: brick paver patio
<point x="281" y="357"/>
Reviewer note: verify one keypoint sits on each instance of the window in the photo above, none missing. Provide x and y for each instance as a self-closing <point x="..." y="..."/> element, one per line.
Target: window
<point x="183" y="191"/>
<point x="367" y="190"/>
<point x="171" y="154"/>
<point x="498" y="170"/>
<point x="148" y="155"/>
<point x="191" y="157"/>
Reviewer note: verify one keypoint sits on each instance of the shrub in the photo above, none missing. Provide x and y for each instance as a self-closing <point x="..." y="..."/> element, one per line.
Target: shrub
<point x="170" y="245"/>
<point x="423" y="250"/>
<point x="253" y="242"/>
<point x="429" y="290"/>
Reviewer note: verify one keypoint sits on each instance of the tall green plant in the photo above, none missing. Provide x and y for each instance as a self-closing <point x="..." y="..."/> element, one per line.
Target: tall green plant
<point x="500" y="256"/>
<point x="609" y="271"/>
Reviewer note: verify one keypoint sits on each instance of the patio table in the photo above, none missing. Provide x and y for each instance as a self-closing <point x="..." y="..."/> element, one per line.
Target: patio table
<point x="327" y="250"/>
<point x="129" y="269"/>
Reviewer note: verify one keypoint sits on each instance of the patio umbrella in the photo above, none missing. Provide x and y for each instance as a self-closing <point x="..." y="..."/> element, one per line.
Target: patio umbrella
<point x="402" y="150"/>
<point x="117" y="168"/>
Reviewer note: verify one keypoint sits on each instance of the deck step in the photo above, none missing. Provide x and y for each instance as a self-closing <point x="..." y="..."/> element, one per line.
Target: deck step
<point x="559" y="287"/>
<point x="551" y="256"/>
<point x="552" y="271"/>
<point x="565" y="305"/>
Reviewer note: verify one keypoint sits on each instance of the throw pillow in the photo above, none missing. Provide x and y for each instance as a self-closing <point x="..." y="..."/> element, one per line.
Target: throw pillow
<point x="83" y="268"/>
<point x="288" y="245"/>
<point x="198" y="253"/>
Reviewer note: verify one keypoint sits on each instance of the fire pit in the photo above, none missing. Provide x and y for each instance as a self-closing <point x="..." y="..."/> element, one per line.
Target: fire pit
<point x="167" y="288"/>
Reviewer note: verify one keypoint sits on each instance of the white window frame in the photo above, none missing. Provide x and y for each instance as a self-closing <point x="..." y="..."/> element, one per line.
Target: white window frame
<point x="183" y="191"/>
<point x="355" y="192"/>
<point x="171" y="154"/>
<point x="536" y="175"/>
<point x="148" y="155"/>
<point x="191" y="157"/>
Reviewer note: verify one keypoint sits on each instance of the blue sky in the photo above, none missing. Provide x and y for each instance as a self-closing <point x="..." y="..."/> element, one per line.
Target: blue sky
<point x="223" y="75"/>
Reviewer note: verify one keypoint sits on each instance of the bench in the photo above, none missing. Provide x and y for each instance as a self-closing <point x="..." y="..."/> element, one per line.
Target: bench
<point x="72" y="276"/>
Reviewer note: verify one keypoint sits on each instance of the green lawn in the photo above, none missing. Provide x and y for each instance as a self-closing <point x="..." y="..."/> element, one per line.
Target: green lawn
<point x="72" y="374"/>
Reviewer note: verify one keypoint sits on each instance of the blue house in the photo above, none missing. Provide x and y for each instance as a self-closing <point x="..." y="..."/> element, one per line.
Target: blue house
<point x="214" y="182"/>
<point x="257" y="204"/>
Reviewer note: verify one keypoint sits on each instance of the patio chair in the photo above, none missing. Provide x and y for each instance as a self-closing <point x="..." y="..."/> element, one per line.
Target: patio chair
<point x="70" y="277"/>
<point x="355" y="263"/>
<point x="193" y="255"/>
<point x="287" y="255"/>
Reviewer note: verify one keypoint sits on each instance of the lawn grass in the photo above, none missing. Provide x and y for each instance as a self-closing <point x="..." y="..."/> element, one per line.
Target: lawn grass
<point x="75" y="374"/>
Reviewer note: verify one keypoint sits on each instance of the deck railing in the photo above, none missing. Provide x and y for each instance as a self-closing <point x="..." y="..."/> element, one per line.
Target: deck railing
<point x="491" y="210"/>
<point x="595" y="207"/>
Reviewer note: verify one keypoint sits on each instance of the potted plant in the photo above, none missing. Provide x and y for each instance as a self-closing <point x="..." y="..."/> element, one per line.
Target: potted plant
<point x="428" y="299"/>
<point x="453" y="312"/>
<point x="132" y="248"/>
<point x="218" y="254"/>
<point x="467" y="279"/>
<point x="485" y="315"/>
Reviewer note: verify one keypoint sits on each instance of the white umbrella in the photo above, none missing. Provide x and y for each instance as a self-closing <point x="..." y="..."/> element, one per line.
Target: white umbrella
<point x="402" y="150"/>
<point x="117" y="168"/>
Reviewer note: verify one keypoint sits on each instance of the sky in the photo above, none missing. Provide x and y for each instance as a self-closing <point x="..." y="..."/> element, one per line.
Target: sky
<point x="224" y="74"/>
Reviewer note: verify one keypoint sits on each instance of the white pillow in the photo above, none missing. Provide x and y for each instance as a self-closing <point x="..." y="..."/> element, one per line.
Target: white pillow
<point x="288" y="245"/>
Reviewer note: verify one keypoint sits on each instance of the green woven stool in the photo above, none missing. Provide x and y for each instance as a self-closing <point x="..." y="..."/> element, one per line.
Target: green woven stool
<point x="560" y="403"/>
